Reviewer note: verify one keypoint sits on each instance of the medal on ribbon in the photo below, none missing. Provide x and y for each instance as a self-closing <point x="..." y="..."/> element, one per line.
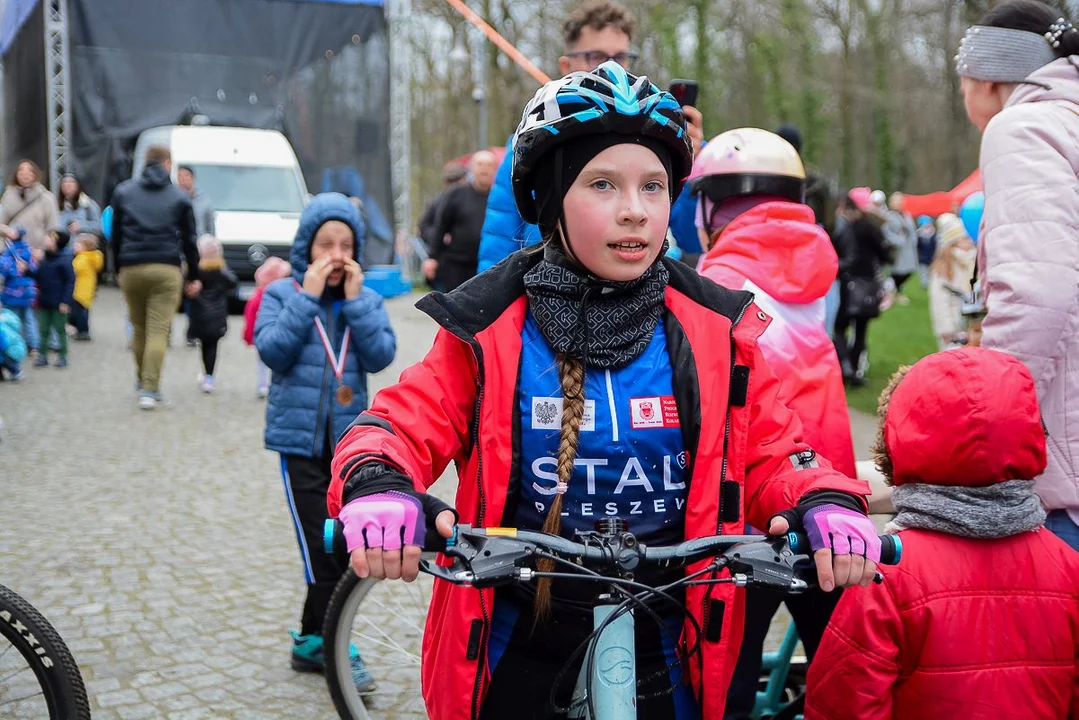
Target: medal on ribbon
<point x="344" y="393"/>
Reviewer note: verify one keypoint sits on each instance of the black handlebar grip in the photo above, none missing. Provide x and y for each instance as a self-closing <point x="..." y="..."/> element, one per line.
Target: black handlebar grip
<point x="891" y="547"/>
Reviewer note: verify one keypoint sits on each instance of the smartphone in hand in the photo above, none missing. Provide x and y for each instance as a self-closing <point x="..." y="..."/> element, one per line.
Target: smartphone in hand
<point x="684" y="91"/>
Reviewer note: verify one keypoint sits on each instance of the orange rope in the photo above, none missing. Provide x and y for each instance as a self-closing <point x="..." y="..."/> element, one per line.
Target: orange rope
<point x="500" y="42"/>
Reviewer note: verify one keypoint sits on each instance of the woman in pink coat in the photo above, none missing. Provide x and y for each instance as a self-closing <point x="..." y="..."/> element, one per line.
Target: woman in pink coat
<point x="1020" y="82"/>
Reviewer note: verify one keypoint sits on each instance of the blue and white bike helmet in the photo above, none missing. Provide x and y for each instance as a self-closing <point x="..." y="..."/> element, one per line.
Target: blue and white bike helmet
<point x="606" y="100"/>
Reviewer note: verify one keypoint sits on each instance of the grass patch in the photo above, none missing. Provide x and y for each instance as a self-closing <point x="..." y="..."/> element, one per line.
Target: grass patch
<point x="901" y="336"/>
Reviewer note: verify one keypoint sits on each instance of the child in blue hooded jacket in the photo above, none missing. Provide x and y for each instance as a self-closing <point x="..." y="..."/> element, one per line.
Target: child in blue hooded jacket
<point x="17" y="268"/>
<point x="320" y="331"/>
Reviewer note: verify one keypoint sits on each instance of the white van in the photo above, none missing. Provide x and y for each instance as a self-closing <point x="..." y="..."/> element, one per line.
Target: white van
<point x="253" y="180"/>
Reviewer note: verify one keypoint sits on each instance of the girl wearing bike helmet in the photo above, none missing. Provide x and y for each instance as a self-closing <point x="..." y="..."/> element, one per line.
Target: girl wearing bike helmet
<point x="761" y="237"/>
<point x="586" y="378"/>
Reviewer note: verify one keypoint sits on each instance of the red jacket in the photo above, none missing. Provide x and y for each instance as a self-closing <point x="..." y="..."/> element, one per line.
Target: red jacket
<point x="458" y="405"/>
<point x="962" y="627"/>
<point x="777" y="252"/>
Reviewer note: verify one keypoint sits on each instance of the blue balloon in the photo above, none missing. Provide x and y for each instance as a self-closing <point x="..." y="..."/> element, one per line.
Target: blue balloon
<point x="924" y="220"/>
<point x="106" y="223"/>
<point x="970" y="212"/>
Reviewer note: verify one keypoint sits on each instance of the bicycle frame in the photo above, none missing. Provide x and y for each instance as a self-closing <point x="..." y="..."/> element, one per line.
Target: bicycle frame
<point x="614" y="672"/>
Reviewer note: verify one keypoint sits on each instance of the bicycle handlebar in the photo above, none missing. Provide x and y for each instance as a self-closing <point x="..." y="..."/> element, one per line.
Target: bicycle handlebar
<point x="486" y="557"/>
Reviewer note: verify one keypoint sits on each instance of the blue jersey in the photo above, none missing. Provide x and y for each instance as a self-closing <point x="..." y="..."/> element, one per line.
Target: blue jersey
<point x="631" y="462"/>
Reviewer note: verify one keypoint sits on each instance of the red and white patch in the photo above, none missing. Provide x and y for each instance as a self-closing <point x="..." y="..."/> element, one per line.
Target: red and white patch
<point x="659" y="411"/>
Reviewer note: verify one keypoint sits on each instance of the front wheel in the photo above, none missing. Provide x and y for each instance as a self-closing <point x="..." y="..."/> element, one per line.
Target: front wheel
<point x="40" y="679"/>
<point x="384" y="621"/>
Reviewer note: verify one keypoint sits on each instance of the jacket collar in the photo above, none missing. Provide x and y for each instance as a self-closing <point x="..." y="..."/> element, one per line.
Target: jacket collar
<point x="476" y="304"/>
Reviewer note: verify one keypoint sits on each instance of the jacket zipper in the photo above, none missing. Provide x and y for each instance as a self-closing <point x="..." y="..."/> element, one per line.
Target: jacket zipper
<point x="614" y="410"/>
<point x="706" y="610"/>
<point x="482" y="657"/>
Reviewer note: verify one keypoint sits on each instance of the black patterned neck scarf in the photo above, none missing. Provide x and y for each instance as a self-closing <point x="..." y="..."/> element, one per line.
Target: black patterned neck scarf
<point x="603" y="324"/>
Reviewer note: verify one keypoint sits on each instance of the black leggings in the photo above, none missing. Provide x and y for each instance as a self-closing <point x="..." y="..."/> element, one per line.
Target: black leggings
<point x="849" y="354"/>
<point x="307" y="480"/>
<point x="209" y="354"/>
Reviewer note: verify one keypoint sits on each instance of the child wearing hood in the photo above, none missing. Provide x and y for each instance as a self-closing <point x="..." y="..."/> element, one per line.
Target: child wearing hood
<point x="17" y="267"/>
<point x="760" y="236"/>
<point x="321" y="332"/>
<point x="981" y="618"/>
<point x="55" y="285"/>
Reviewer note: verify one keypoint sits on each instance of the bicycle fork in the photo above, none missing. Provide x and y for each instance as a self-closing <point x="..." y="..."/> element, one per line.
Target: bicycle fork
<point x="614" y="672"/>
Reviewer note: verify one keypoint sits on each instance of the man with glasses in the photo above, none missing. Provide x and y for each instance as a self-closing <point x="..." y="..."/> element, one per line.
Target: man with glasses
<point x="596" y="31"/>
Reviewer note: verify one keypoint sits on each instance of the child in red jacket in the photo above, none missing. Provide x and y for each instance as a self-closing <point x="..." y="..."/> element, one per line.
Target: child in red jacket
<point x="981" y="618"/>
<point x="273" y="269"/>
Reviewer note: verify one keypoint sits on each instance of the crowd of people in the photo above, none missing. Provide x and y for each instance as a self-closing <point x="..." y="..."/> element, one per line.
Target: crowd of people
<point x="987" y="513"/>
<point x="49" y="268"/>
<point x="634" y="320"/>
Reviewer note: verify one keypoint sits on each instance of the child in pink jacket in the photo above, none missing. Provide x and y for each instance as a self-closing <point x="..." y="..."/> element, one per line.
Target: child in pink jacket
<point x="273" y="269"/>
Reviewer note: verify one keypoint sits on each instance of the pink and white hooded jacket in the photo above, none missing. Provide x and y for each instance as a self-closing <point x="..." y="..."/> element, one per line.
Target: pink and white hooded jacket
<point x="777" y="252"/>
<point x="1029" y="257"/>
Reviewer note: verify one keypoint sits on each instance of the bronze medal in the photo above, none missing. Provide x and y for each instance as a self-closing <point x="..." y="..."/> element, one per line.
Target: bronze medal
<point x="344" y="395"/>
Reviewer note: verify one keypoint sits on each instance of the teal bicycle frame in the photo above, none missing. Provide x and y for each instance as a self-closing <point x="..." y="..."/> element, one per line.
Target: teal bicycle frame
<point x="614" y="672"/>
<point x="777" y="664"/>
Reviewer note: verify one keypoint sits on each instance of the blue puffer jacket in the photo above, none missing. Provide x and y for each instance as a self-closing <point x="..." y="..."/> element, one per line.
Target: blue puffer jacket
<point x="19" y="287"/>
<point x="504" y="232"/>
<point x="302" y="401"/>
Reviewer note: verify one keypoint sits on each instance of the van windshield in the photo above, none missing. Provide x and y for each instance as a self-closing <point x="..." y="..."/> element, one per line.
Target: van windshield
<point x="243" y="188"/>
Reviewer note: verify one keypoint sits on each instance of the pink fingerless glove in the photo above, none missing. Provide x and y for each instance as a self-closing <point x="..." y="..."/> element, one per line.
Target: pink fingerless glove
<point x="841" y="530"/>
<point x="386" y="520"/>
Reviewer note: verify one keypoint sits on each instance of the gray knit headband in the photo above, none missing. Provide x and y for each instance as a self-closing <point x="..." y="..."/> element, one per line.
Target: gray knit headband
<point x="1005" y="55"/>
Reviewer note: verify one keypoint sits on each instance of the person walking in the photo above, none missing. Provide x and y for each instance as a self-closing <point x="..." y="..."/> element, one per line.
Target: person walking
<point x="210" y="308"/>
<point x="900" y="233"/>
<point x="862" y="253"/>
<point x="453" y="174"/>
<point x="153" y="233"/>
<point x="1020" y="82"/>
<point x="201" y="204"/>
<point x="453" y="247"/>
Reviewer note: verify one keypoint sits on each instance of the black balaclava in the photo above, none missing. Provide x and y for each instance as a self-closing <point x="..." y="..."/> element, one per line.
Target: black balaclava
<point x="603" y="324"/>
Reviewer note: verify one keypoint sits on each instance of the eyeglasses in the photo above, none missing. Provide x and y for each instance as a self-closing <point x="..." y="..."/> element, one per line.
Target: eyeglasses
<point x="595" y="58"/>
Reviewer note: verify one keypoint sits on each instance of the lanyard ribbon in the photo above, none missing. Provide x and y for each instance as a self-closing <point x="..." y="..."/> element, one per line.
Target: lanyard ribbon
<point x="337" y="363"/>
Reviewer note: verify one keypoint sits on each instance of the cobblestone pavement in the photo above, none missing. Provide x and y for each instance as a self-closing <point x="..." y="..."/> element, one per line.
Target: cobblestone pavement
<point x="159" y="544"/>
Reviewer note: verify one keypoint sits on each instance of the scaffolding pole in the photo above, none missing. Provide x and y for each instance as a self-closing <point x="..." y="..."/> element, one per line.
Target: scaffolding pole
<point x="401" y="112"/>
<point x="58" y="97"/>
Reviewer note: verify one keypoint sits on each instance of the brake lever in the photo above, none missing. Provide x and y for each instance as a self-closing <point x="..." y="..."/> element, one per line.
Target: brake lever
<point x="481" y="561"/>
<point x="770" y="564"/>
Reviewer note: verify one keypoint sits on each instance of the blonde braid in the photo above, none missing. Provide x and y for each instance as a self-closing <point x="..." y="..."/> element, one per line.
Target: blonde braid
<point x="571" y="375"/>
